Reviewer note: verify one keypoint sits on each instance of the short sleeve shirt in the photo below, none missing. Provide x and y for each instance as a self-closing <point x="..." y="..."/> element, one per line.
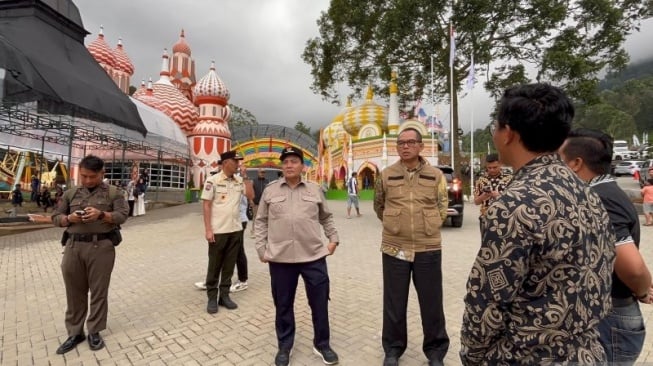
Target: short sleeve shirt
<point x="225" y="194"/>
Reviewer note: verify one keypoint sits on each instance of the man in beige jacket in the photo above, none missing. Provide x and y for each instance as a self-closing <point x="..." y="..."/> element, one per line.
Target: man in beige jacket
<point x="288" y="237"/>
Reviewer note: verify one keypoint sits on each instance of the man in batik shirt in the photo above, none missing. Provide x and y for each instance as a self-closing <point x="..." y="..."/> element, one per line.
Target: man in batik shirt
<point x="490" y="185"/>
<point x="541" y="282"/>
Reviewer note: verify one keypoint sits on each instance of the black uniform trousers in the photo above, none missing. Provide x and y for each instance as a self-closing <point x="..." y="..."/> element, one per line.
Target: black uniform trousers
<point x="87" y="266"/>
<point x="222" y="259"/>
<point x="426" y="271"/>
<point x="284" y="278"/>
<point x="241" y="258"/>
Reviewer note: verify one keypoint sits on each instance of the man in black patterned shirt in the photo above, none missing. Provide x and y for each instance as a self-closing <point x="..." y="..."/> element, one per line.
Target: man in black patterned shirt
<point x="541" y="282"/>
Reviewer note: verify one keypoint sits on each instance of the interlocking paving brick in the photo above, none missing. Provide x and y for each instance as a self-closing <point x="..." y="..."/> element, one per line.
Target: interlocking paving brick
<point x="157" y="317"/>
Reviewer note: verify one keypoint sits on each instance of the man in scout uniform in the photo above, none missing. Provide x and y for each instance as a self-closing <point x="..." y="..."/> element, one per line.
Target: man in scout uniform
<point x="222" y="226"/>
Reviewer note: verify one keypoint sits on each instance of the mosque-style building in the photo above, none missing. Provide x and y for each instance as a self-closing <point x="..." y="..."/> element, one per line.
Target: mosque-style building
<point x="196" y="109"/>
<point x="363" y="139"/>
<point x="360" y="138"/>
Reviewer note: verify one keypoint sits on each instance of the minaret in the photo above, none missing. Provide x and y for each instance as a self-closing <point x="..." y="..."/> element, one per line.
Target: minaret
<point x="393" y="108"/>
<point x="384" y="153"/>
<point x="124" y="68"/>
<point x="350" y="157"/>
<point x="211" y="136"/>
<point x="182" y="67"/>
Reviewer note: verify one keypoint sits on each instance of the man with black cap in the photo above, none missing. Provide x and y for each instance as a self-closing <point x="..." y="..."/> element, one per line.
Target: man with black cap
<point x="287" y="234"/>
<point x="221" y="207"/>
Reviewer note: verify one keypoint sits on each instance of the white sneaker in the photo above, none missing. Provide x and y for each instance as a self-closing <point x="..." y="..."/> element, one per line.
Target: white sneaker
<point x="200" y="285"/>
<point x="238" y="286"/>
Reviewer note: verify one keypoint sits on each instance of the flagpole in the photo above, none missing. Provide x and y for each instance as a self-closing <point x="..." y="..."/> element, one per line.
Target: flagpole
<point x="470" y="83"/>
<point x="433" y="159"/>
<point x="452" y="56"/>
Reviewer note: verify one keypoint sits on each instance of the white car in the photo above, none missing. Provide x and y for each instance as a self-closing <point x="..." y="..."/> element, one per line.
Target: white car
<point x="627" y="167"/>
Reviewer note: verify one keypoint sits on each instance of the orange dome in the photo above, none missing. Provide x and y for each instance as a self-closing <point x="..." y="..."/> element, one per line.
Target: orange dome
<point x="123" y="63"/>
<point x="101" y="51"/>
<point x="181" y="45"/>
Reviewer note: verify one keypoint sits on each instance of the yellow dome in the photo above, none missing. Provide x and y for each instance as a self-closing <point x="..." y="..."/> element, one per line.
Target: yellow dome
<point x="332" y="135"/>
<point x="368" y="112"/>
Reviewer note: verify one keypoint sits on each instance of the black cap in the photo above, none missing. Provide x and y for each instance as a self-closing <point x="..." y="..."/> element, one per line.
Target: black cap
<point x="230" y="155"/>
<point x="292" y="151"/>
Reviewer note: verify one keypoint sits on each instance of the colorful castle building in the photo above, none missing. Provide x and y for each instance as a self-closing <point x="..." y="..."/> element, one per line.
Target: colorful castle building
<point x="362" y="139"/>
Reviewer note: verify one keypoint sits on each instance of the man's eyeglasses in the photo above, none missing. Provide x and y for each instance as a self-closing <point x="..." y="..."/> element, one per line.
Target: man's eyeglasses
<point x="409" y="143"/>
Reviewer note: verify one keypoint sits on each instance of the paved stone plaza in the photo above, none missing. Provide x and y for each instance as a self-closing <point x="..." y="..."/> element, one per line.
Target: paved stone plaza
<point x="157" y="317"/>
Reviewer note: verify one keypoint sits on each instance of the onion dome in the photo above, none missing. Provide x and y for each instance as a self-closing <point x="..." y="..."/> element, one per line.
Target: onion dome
<point x="181" y="45"/>
<point x="211" y="128"/>
<point x="173" y="102"/>
<point x="101" y="51"/>
<point x="123" y="63"/>
<point x="210" y="89"/>
<point x="367" y="112"/>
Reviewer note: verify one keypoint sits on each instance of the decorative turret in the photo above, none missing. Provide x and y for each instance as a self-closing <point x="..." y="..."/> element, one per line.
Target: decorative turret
<point x="393" y="108"/>
<point x="182" y="67"/>
<point x="102" y="53"/>
<point x="124" y="68"/>
<point x="211" y="89"/>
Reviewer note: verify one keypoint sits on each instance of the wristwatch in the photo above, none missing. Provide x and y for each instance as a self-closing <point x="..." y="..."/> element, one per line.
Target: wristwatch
<point x="101" y="215"/>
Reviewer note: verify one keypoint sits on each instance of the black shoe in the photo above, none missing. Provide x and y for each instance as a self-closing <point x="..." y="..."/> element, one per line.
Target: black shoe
<point x="435" y="362"/>
<point x="227" y="303"/>
<point x="391" y="361"/>
<point x="70" y="343"/>
<point x="282" y="358"/>
<point x="212" y="306"/>
<point x="328" y="356"/>
<point x="95" y="342"/>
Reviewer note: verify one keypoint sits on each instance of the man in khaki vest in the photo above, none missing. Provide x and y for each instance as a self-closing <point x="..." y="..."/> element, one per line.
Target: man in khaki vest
<point x="411" y="200"/>
<point x="91" y="214"/>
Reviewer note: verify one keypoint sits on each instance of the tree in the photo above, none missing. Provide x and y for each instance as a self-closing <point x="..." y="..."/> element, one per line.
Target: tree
<point x="301" y="127"/>
<point x="241" y="117"/>
<point x="567" y="43"/>
<point x="605" y="117"/>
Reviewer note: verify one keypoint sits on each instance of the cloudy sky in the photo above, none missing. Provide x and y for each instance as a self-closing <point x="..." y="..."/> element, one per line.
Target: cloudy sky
<point x="256" y="45"/>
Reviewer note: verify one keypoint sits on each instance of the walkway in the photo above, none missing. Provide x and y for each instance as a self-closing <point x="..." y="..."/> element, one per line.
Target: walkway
<point x="157" y="317"/>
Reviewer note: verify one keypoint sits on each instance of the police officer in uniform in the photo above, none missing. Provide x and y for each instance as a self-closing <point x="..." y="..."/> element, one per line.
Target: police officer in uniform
<point x="287" y="234"/>
<point x="91" y="214"/>
<point x="222" y="228"/>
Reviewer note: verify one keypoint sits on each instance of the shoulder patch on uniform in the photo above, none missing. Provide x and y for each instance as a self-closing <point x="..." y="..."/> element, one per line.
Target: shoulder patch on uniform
<point x="208" y="186"/>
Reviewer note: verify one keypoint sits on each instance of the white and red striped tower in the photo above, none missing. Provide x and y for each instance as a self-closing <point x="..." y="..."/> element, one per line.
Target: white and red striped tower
<point x="182" y="67"/>
<point x="103" y="54"/>
<point x="124" y="68"/>
<point x="211" y="135"/>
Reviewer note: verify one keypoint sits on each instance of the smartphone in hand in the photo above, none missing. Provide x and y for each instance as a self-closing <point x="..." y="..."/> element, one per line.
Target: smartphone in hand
<point x="80" y="213"/>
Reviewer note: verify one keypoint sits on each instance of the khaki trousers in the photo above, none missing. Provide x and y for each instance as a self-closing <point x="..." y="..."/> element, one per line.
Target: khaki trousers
<point x="87" y="266"/>
<point x="254" y="210"/>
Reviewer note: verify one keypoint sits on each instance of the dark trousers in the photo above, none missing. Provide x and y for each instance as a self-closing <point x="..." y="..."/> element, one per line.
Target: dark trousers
<point x="131" y="207"/>
<point x="222" y="259"/>
<point x="284" y="278"/>
<point x="426" y="272"/>
<point x="87" y="266"/>
<point x="241" y="259"/>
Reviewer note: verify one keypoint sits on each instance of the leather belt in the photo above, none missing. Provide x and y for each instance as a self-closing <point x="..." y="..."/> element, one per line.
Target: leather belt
<point x="90" y="237"/>
<point x="621" y="302"/>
